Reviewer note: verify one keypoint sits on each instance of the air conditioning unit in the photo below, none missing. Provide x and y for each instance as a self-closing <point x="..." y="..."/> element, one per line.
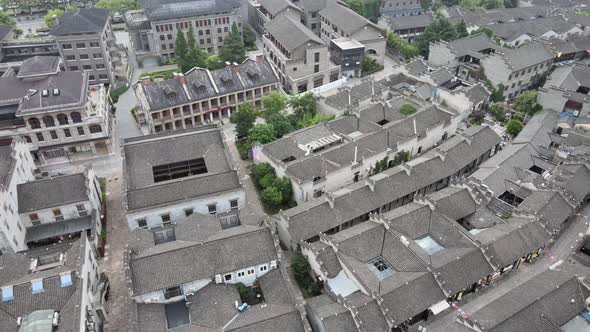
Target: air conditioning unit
<point x="218" y="278"/>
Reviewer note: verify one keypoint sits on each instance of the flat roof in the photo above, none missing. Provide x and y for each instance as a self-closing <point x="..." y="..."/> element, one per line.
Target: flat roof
<point x="347" y="43"/>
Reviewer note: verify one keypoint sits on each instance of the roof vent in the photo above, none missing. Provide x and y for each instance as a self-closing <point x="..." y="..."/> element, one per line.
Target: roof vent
<point x="56" y="92"/>
<point x="45" y="93"/>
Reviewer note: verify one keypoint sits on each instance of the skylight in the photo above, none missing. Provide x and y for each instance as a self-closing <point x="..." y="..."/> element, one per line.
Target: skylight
<point x="66" y="279"/>
<point x="7" y="294"/>
<point x="37" y="286"/>
<point x="429" y="244"/>
<point x="380" y="267"/>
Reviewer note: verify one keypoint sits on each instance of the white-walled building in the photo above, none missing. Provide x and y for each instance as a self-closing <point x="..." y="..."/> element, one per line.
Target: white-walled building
<point x="58" y="208"/>
<point x="169" y="176"/>
<point x="16" y="167"/>
<point x="57" y="286"/>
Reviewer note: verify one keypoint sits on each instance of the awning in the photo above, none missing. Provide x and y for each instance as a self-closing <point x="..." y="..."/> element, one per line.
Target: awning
<point x="439" y="307"/>
<point x="53" y="229"/>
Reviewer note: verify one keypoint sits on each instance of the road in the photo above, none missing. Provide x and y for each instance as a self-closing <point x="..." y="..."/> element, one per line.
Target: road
<point x="559" y="251"/>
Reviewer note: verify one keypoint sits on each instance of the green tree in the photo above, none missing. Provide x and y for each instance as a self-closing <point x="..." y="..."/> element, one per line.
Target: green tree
<point x="191" y="40"/>
<point x="470" y="4"/>
<point x="181" y="52"/>
<point x="526" y="103"/>
<point x="513" y="127"/>
<point x="305" y="104"/>
<point x="263" y="169"/>
<point x="461" y="28"/>
<point x="406" y="49"/>
<point x="499" y="112"/>
<point x="244" y="119"/>
<point x="358" y="6"/>
<point x="5" y="19"/>
<point x="283" y="184"/>
<point x="272" y="196"/>
<point x="273" y="104"/>
<point x="369" y="64"/>
<point x="51" y="15"/>
<point x="497" y="93"/>
<point x="266" y="181"/>
<point x="261" y="133"/>
<point x="249" y="37"/>
<point x="213" y="62"/>
<point x="407" y="109"/>
<point x="233" y="49"/>
<point x="440" y="29"/>
<point x="280" y="124"/>
<point x="118" y="6"/>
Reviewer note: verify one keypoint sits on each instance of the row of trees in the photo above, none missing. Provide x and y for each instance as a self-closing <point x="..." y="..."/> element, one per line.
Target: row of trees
<point x="189" y="55"/>
<point x="405" y="48"/>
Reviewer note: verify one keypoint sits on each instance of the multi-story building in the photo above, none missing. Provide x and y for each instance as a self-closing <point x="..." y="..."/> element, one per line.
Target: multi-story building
<point x="16" y="167"/>
<point x="58" y="208"/>
<point x="153" y="28"/>
<point x="201" y="96"/>
<point x="311" y="17"/>
<point x="338" y="21"/>
<point x="348" y="54"/>
<point x="266" y="10"/>
<point x="397" y="8"/>
<point x="299" y="56"/>
<point x="407" y="27"/>
<point x="518" y="69"/>
<point x="55" y="111"/>
<point x="169" y="176"/>
<point x="57" y="288"/>
<point x="86" y="42"/>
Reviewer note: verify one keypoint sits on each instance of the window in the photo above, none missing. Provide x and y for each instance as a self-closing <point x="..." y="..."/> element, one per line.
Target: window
<point x="172" y="292"/>
<point x="66" y="46"/>
<point x="53" y="134"/>
<point x="80" y="131"/>
<point x="40" y="137"/>
<point x="76" y="117"/>
<point x="34" y="217"/>
<point x="84" y="57"/>
<point x="251" y="271"/>
<point x="7" y="294"/>
<point x="97" y="55"/>
<point x="166" y="218"/>
<point x="162" y="38"/>
<point x="241" y="274"/>
<point x="37" y="286"/>
<point x="316" y="57"/>
<point x="100" y="66"/>
<point x="67" y="133"/>
<point x="65" y="279"/>
<point x="93" y="44"/>
<point x="227" y="277"/>
<point x="263" y="268"/>
<point x="70" y="57"/>
<point x="233" y="204"/>
<point x="80" y="45"/>
<point x="81" y="210"/>
<point x="316" y="68"/>
<point x="102" y="76"/>
<point x="188" y="212"/>
<point x="87" y="67"/>
<point x="142" y="223"/>
<point x="73" y="68"/>
<point x="179" y="169"/>
<point x="429" y="245"/>
<point x="57" y="214"/>
<point x="95" y="129"/>
<point x="212" y="208"/>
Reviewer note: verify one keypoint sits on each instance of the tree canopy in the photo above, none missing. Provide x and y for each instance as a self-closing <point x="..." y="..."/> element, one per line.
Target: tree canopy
<point x="302" y="105"/>
<point x="440" y="29"/>
<point x="280" y="124"/>
<point x="244" y="119"/>
<point x="119" y="6"/>
<point x="513" y="127"/>
<point x="5" y="19"/>
<point x="261" y="133"/>
<point x="188" y="54"/>
<point x="233" y="49"/>
<point x="526" y="103"/>
<point x="405" y="48"/>
<point x="51" y="14"/>
<point x="273" y="104"/>
<point x="407" y="109"/>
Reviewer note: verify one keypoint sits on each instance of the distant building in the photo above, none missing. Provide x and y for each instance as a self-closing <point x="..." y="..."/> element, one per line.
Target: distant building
<point x="169" y="176"/>
<point x="53" y="288"/>
<point x="348" y="54"/>
<point x="57" y="112"/>
<point x="299" y="57"/>
<point x="266" y="10"/>
<point x="153" y="29"/>
<point x="202" y="96"/>
<point x="407" y="27"/>
<point x="397" y="8"/>
<point x="86" y="42"/>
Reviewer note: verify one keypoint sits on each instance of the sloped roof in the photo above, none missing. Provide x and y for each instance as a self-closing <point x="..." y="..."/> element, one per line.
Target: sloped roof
<point x="291" y="34"/>
<point x="83" y="20"/>
<point x="158" y="10"/>
<point x="51" y="192"/>
<point x="345" y="18"/>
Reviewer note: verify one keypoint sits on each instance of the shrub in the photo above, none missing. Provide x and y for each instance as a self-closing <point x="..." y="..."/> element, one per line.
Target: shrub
<point x="272" y="196"/>
<point x="301" y="272"/>
<point x="407" y="109"/>
<point x="513" y="127"/>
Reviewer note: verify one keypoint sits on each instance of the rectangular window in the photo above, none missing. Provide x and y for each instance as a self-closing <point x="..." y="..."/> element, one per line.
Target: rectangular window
<point x="316" y="57"/>
<point x="34" y="217"/>
<point x="227" y="277"/>
<point x="241" y="274"/>
<point x="53" y="134"/>
<point x="172" y="292"/>
<point x="212" y="208"/>
<point x="97" y="55"/>
<point x="80" y="131"/>
<point x="94" y="129"/>
<point x="263" y="268"/>
<point x="40" y="137"/>
<point x="67" y="133"/>
<point x="141" y="223"/>
<point x="80" y="45"/>
<point x="87" y="67"/>
<point x="251" y="271"/>
<point x="188" y="212"/>
<point x="84" y="57"/>
<point x="233" y="204"/>
<point x="81" y="210"/>
<point x="93" y="44"/>
<point x="100" y="66"/>
<point x="102" y="76"/>
<point x="316" y="68"/>
<point x="70" y="57"/>
<point x="37" y="286"/>
<point x="66" y="46"/>
<point x="74" y="68"/>
<point x="57" y="214"/>
<point x="166" y="218"/>
<point x="179" y="169"/>
<point x="7" y="294"/>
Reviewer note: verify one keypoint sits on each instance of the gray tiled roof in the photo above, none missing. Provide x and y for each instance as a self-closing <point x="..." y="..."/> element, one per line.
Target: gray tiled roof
<point x="267" y="317"/>
<point x="291" y="34"/>
<point x="556" y="295"/>
<point x="454" y="202"/>
<point x="213" y="306"/>
<point x="417" y="67"/>
<point x="345" y="18"/>
<point x="334" y="316"/>
<point x="316" y="216"/>
<point x="471" y="44"/>
<point x="143" y="153"/>
<point x="477" y="93"/>
<point x="4" y="30"/>
<point x="274" y="7"/>
<point x="535" y="28"/>
<point x="51" y="192"/>
<point x="553" y="209"/>
<point x="409" y="22"/>
<point x="83" y="20"/>
<point x="528" y="55"/>
<point x="39" y="65"/>
<point x="243" y="247"/>
<point x="158" y="10"/>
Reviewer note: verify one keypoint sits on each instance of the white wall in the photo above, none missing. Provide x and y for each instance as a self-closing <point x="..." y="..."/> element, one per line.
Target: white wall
<point x="88" y="275"/>
<point x="153" y="217"/>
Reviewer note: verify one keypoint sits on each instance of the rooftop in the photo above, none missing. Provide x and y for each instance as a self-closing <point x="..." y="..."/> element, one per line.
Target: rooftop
<point x="158" y="10"/>
<point x="291" y="34"/>
<point x="52" y="192"/>
<point x="83" y="20"/>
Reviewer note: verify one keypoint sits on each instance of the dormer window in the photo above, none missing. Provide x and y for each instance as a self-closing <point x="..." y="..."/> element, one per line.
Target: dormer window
<point x="7" y="294"/>
<point x="45" y="93"/>
<point x="65" y="279"/>
<point x="56" y="92"/>
<point x="37" y="286"/>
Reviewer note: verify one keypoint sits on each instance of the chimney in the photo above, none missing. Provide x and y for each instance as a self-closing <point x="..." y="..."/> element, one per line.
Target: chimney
<point x="260" y="57"/>
<point x="227" y="64"/>
<point x="236" y="67"/>
<point x="180" y="78"/>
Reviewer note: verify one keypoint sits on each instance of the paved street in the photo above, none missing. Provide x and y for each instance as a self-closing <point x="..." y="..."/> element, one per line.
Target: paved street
<point x="559" y="251"/>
